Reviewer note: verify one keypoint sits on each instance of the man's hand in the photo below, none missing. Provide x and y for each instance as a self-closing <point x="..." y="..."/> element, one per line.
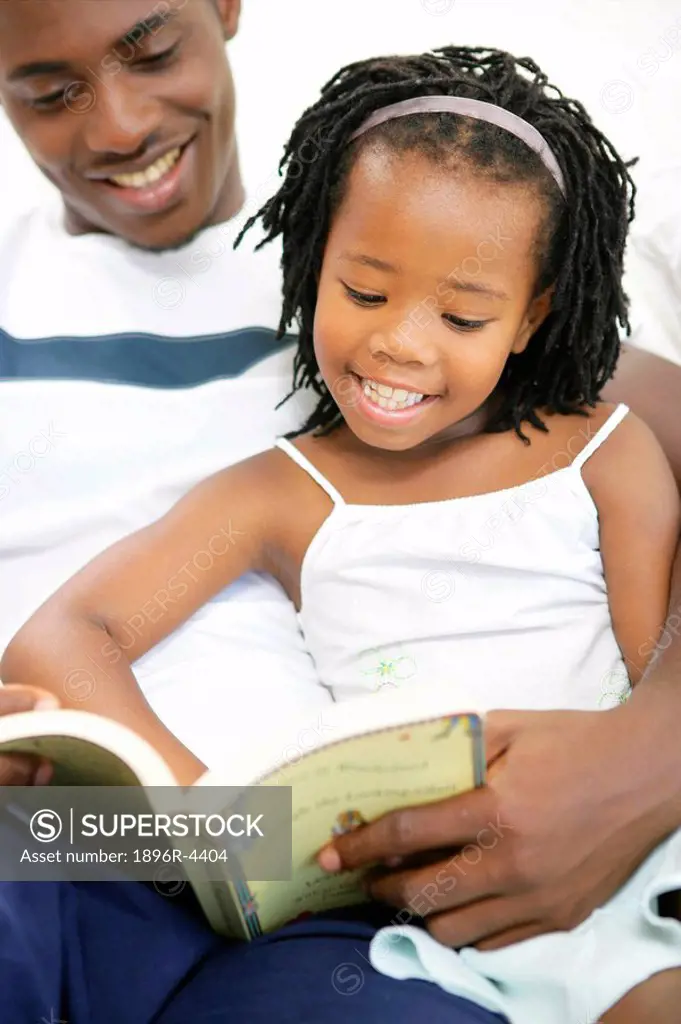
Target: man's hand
<point x="557" y="830"/>
<point x="16" y="770"/>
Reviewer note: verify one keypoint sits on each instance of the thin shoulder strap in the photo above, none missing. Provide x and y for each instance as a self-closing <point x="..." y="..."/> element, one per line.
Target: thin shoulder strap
<point x="300" y="460"/>
<point x="613" y="420"/>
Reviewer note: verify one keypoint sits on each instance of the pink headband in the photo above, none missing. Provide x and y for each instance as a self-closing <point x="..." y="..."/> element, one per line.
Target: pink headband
<point x="470" y="108"/>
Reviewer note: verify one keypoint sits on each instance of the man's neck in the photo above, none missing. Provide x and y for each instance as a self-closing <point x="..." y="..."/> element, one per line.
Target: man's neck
<point x="232" y="196"/>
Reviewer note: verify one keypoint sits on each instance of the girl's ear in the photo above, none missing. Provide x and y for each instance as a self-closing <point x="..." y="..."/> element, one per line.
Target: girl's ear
<point x="537" y="312"/>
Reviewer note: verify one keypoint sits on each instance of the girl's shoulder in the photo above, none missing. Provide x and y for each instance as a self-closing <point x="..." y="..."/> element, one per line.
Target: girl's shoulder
<point x="307" y="470"/>
<point x="578" y="427"/>
<point x="326" y="457"/>
<point x="607" y="443"/>
<point x="265" y="485"/>
<point x="620" y="457"/>
<point x="307" y="451"/>
<point x="569" y="436"/>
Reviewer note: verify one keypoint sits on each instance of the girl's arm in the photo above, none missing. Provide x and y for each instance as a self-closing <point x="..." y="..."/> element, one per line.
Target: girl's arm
<point x="81" y="643"/>
<point x="634" y="489"/>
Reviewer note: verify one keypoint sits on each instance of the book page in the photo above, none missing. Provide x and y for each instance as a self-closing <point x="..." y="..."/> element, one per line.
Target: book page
<point x="346" y="784"/>
<point x="86" y="749"/>
<point x="269" y="751"/>
<point x="77" y="762"/>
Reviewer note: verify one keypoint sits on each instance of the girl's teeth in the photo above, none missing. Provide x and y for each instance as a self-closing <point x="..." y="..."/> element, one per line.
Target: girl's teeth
<point x="390" y="398"/>
<point x="141" y="179"/>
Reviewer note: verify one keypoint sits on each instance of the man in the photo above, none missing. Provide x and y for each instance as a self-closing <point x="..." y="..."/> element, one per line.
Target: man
<point x="137" y="349"/>
<point x="148" y="361"/>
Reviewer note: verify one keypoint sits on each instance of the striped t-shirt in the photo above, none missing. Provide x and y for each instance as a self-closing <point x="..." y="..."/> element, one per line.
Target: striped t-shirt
<point x="126" y="377"/>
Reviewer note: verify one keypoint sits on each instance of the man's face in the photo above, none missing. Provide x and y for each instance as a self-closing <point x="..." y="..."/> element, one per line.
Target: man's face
<point x="127" y="106"/>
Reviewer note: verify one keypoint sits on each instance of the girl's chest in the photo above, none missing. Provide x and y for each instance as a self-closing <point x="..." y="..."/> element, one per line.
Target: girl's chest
<point x="485" y="466"/>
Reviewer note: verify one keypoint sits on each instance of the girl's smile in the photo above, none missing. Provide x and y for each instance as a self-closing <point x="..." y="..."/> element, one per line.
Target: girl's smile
<point x="388" y="404"/>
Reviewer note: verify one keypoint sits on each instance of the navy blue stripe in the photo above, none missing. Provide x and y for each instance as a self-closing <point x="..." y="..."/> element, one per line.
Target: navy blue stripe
<point x="147" y="360"/>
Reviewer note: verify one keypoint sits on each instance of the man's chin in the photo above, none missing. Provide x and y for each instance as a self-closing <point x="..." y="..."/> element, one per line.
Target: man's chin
<point x="156" y="241"/>
<point x="166" y="237"/>
<point x="166" y="246"/>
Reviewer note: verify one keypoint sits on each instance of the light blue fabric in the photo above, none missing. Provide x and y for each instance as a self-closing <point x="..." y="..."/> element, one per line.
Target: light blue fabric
<point x="564" y="978"/>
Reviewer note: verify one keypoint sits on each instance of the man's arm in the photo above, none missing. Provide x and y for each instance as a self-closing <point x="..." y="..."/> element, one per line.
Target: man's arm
<point x="651" y="387"/>
<point x="553" y="835"/>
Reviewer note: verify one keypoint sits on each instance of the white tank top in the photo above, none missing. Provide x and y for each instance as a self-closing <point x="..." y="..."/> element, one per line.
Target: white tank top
<point x="501" y="594"/>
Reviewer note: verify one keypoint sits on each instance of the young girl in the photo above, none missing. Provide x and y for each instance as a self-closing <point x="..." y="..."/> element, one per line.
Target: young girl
<point x="461" y="510"/>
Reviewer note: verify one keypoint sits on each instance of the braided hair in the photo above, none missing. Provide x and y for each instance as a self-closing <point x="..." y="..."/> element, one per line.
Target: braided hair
<point x="581" y="247"/>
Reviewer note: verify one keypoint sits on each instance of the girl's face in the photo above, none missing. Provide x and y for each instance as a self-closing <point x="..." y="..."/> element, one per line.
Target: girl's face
<point x="426" y="289"/>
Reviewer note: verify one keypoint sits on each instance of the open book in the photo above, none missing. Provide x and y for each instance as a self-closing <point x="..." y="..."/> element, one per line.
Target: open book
<point x="371" y="757"/>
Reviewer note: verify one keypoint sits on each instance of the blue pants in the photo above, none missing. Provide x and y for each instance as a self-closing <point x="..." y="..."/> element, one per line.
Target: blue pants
<point x="120" y="953"/>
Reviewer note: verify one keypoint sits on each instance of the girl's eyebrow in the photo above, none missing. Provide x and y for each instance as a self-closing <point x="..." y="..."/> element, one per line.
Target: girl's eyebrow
<point x="369" y="261"/>
<point x="474" y="286"/>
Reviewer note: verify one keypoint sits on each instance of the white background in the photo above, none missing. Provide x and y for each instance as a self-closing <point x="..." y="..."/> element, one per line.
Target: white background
<point x="606" y="53"/>
<point x="621" y="58"/>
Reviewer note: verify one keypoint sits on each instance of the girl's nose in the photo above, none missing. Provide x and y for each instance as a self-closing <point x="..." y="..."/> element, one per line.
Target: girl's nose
<point x="411" y="344"/>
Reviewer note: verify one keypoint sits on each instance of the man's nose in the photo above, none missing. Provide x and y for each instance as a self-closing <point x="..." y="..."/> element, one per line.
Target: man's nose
<point x="121" y="120"/>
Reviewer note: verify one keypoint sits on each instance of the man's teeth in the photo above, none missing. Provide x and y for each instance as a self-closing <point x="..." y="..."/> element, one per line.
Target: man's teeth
<point x="141" y="179"/>
<point x="390" y="398"/>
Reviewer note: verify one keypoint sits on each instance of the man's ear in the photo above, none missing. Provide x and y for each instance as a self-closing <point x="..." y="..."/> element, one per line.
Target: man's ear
<point x="537" y="312"/>
<point x="228" y="12"/>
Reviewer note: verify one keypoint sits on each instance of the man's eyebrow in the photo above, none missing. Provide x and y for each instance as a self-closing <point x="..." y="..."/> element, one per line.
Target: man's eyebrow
<point x="369" y="261"/>
<point x="133" y="36"/>
<point x="146" y="27"/>
<point x="476" y="287"/>
<point x="38" y="67"/>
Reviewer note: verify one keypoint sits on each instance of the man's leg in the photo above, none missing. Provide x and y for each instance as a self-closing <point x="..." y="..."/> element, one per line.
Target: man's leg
<point x="107" y="952"/>
<point x="30" y="951"/>
<point x="311" y="972"/>
<point x="102" y="953"/>
<point x="93" y="953"/>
